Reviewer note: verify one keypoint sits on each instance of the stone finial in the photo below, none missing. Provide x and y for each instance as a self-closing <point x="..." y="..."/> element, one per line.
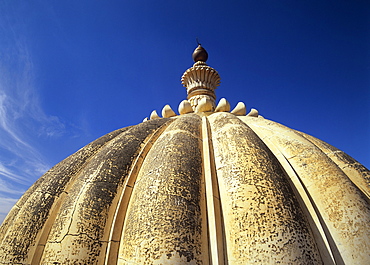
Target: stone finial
<point x="167" y="112"/>
<point x="223" y="106"/>
<point x="185" y="107"/>
<point x="239" y="110"/>
<point x="205" y="105"/>
<point x="154" y="115"/>
<point x="253" y="113"/>
<point x="200" y="80"/>
<point x="200" y="54"/>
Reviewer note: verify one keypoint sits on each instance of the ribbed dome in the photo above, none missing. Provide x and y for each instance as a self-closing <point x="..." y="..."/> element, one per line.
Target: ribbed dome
<point x="177" y="189"/>
<point x="200" y="188"/>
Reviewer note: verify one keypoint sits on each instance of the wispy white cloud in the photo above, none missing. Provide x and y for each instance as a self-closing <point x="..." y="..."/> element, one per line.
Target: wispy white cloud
<point x="5" y="187"/>
<point x="7" y="174"/>
<point x="5" y="114"/>
<point x="6" y="204"/>
<point x="22" y="119"/>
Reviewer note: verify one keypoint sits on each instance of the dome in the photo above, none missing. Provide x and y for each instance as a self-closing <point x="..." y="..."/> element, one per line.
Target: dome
<point x="207" y="186"/>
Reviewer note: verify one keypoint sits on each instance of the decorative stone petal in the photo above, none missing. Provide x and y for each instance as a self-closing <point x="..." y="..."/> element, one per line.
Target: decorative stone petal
<point x="240" y="109"/>
<point x="154" y="115"/>
<point x="146" y="119"/>
<point x="185" y="107"/>
<point x="223" y="106"/>
<point x="253" y="113"/>
<point x="205" y="105"/>
<point x="167" y="112"/>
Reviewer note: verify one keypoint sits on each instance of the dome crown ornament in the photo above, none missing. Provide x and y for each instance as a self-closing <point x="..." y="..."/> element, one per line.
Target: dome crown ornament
<point x="200" y="80"/>
<point x="200" y="54"/>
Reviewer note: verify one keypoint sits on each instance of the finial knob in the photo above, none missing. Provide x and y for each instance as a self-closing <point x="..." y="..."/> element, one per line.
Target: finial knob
<point x="200" y="54"/>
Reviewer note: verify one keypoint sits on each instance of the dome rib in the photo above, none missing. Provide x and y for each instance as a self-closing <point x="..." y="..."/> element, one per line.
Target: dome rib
<point x="34" y="206"/>
<point x="39" y="201"/>
<point x="356" y="172"/>
<point x="333" y="194"/>
<point x="124" y="195"/>
<point x="258" y="204"/>
<point x="164" y="222"/>
<point x="216" y="226"/>
<point x="305" y="201"/>
<point x="93" y="198"/>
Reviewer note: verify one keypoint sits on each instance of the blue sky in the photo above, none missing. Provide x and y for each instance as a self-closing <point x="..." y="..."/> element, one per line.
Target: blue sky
<point x="71" y="71"/>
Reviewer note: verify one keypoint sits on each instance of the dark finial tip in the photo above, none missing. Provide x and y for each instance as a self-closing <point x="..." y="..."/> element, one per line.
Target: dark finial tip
<point x="200" y="54"/>
<point x="198" y="41"/>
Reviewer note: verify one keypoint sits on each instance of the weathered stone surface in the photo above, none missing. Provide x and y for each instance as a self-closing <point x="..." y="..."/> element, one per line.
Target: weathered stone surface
<point x="163" y="222"/>
<point x="34" y="206"/>
<point x="88" y="205"/>
<point x="196" y="188"/>
<point x="358" y="174"/>
<point x="63" y="185"/>
<point x="263" y="221"/>
<point x="199" y="188"/>
<point x="343" y="208"/>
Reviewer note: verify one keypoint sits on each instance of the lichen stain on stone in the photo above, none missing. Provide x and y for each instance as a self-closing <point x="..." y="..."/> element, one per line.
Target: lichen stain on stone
<point x="87" y="200"/>
<point x="88" y="203"/>
<point x="343" y="207"/>
<point x="164" y="220"/>
<point x="359" y="174"/>
<point x="263" y="220"/>
<point x="35" y="204"/>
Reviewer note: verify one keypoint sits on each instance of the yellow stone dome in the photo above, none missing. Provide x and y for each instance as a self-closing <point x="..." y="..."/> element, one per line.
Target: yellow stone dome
<point x="208" y="186"/>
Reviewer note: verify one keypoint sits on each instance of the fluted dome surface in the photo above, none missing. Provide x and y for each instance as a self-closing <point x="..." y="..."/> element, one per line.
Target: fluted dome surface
<point x="191" y="189"/>
<point x="209" y="186"/>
